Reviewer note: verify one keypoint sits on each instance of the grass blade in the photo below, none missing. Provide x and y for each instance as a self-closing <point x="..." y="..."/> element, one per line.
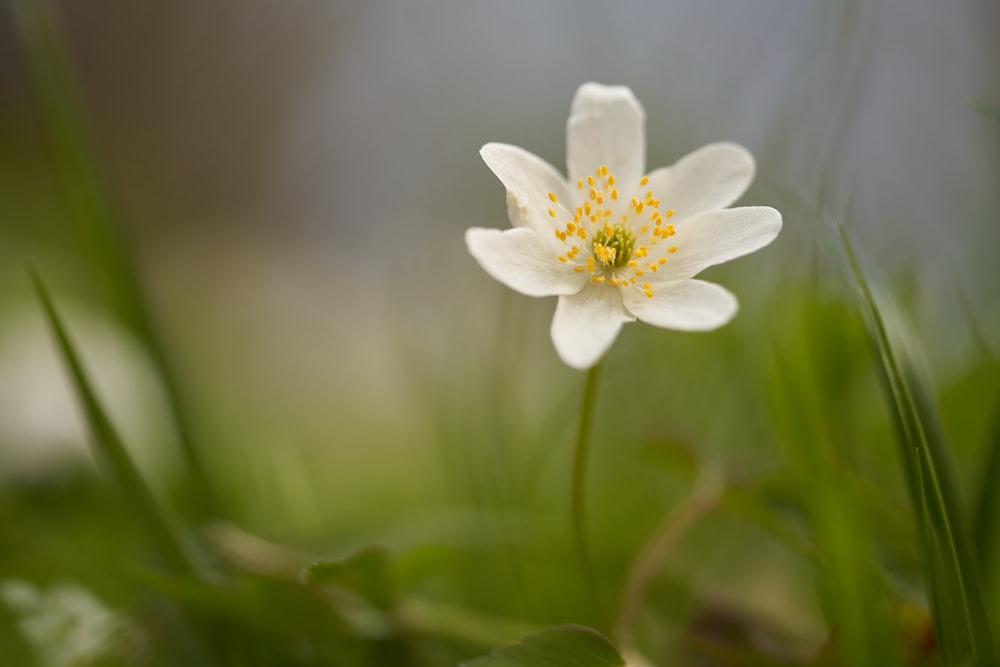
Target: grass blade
<point x="96" y="232"/>
<point x="960" y="616"/>
<point x="109" y="449"/>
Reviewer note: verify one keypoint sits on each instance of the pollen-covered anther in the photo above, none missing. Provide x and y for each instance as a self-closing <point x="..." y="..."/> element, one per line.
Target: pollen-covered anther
<point x="552" y="197"/>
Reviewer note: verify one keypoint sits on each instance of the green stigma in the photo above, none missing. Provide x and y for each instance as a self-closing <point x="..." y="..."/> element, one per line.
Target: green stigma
<point x="613" y="245"/>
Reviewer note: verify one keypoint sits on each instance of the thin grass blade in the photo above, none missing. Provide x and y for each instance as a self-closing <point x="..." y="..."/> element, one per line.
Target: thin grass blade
<point x="960" y="614"/>
<point x="110" y="450"/>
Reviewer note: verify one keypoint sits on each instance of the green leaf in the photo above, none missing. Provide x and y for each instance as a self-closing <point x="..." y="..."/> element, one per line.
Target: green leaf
<point x="366" y="572"/>
<point x="960" y="616"/>
<point x="564" y="646"/>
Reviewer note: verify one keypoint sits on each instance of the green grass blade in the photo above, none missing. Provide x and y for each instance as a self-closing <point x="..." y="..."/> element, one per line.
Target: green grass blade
<point x="849" y="583"/>
<point x="960" y="616"/>
<point x="987" y="502"/>
<point x="96" y="230"/>
<point x="988" y="110"/>
<point x="110" y="450"/>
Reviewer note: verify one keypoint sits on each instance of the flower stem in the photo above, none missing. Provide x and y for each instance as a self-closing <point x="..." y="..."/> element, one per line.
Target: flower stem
<point x="578" y="505"/>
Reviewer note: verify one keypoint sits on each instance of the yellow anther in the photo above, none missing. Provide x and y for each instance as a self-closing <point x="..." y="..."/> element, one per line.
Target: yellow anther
<point x="661" y="261"/>
<point x="590" y="181"/>
<point x="570" y="227"/>
<point x="672" y="249"/>
<point x="604" y="170"/>
<point x="639" y="207"/>
<point x="563" y="259"/>
<point x="579" y="184"/>
<point x="586" y="207"/>
<point x="593" y="217"/>
<point x="600" y="198"/>
<point x="608" y="229"/>
<point x="632" y="280"/>
<point x="649" y="195"/>
<point x="593" y="192"/>
<point x="590" y="264"/>
<point x="607" y="213"/>
<point x="614" y="194"/>
<point x="654" y="268"/>
<point x="562" y="235"/>
<point x="552" y="213"/>
<point x="578" y="269"/>
<point x="611" y="179"/>
<point x="640" y="272"/>
<point x="632" y="264"/>
<point x="646" y="286"/>
<point x="581" y="232"/>
<point x="643" y="181"/>
<point x="634" y="202"/>
<point x="558" y="232"/>
<point x="597" y="279"/>
<point x="644" y="229"/>
<point x="553" y="197"/>
<point x="670" y="213"/>
<point x="648" y="293"/>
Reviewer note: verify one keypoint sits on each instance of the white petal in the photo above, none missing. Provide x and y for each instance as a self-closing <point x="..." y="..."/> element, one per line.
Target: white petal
<point x="522" y="260"/>
<point x="529" y="179"/>
<point x="719" y="236"/>
<point x="607" y="125"/>
<point x="708" y="179"/>
<point x="687" y="305"/>
<point x="587" y="323"/>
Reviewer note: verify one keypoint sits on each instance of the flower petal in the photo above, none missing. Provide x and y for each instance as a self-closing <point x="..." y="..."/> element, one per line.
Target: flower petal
<point x="719" y="236"/>
<point x="529" y="179"/>
<point x="586" y="324"/>
<point x="522" y="260"/>
<point x="687" y="305"/>
<point x="607" y="125"/>
<point x="708" y="179"/>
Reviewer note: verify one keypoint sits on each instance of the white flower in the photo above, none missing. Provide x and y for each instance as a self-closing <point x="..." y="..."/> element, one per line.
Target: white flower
<point x="613" y="244"/>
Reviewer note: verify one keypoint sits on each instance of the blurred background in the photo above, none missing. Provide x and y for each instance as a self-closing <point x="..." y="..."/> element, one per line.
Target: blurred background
<point x="292" y="182"/>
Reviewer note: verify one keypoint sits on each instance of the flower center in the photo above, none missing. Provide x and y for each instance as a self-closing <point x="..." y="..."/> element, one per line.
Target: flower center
<point x="613" y="245"/>
<point x="616" y="242"/>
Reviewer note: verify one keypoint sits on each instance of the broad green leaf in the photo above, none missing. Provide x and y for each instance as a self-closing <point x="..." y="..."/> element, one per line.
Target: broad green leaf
<point x="366" y="572"/>
<point x="564" y="646"/>
<point x="960" y="616"/>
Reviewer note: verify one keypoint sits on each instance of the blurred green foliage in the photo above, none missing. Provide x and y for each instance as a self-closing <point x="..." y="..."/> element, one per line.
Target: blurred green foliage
<point x="429" y="526"/>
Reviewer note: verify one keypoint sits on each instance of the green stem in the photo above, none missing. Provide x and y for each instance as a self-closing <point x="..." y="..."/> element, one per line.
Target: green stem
<point x="578" y="507"/>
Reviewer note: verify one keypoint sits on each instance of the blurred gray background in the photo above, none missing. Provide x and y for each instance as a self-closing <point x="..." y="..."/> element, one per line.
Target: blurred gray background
<point x="295" y="177"/>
